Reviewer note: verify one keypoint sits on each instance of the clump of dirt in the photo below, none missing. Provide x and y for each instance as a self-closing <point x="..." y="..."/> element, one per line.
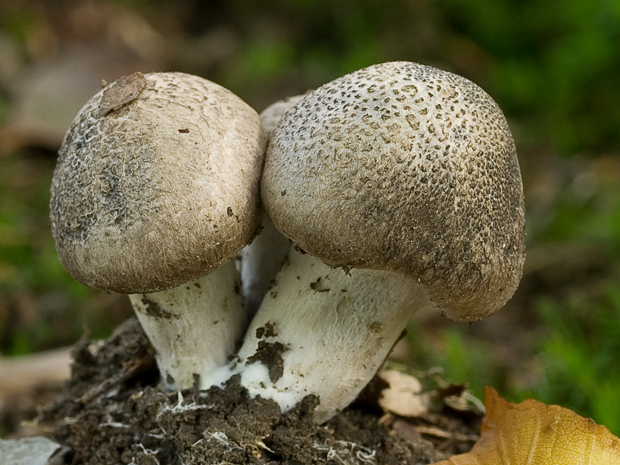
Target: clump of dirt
<point x="112" y="412"/>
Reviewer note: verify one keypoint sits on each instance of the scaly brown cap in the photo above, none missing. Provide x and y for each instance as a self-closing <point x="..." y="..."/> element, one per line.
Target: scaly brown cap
<point x="407" y="168"/>
<point x="157" y="183"/>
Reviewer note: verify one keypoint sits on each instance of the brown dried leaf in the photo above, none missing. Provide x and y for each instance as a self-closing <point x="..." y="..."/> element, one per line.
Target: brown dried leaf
<point x="123" y="91"/>
<point x="534" y="433"/>
<point x="404" y="395"/>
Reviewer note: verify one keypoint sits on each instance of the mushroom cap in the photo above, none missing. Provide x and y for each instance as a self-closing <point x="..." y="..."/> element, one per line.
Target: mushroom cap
<point x="272" y="115"/>
<point x="157" y="183"/>
<point x="405" y="168"/>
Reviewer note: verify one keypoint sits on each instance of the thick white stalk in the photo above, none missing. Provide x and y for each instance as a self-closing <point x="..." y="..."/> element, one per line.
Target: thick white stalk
<point x="324" y="331"/>
<point x="193" y="327"/>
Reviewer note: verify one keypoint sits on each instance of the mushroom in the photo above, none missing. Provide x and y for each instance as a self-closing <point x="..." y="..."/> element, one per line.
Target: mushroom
<point x="156" y="189"/>
<point x="261" y="260"/>
<point x="400" y="186"/>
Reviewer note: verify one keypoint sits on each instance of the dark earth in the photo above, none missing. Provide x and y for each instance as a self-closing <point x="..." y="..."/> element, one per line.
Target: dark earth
<point x="112" y="412"/>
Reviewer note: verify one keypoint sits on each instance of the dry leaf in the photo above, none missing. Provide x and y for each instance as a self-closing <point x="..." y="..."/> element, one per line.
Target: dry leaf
<point x="532" y="433"/>
<point x="30" y="372"/>
<point x="404" y="395"/>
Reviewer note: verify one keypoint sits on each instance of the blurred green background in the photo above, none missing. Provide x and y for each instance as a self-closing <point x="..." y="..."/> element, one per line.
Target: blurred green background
<point x="554" y="68"/>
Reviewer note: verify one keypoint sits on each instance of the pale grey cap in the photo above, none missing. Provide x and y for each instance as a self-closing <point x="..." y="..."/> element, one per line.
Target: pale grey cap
<point x="407" y="168"/>
<point x="157" y="183"/>
<point x="272" y="115"/>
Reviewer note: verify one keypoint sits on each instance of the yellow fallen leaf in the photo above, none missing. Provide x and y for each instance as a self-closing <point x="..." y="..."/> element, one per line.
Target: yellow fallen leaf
<point x="532" y="433"/>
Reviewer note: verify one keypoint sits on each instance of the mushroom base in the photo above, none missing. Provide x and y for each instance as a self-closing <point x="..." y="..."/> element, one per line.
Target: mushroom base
<point x="193" y="327"/>
<point x="324" y="331"/>
<point x="111" y="412"/>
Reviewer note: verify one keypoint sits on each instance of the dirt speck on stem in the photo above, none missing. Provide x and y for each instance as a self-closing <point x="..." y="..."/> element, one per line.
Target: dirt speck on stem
<point x="270" y="355"/>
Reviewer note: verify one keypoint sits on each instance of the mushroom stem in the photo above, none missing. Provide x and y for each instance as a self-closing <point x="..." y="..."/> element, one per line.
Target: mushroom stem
<point x="194" y="327"/>
<point x="259" y="263"/>
<point x="324" y="331"/>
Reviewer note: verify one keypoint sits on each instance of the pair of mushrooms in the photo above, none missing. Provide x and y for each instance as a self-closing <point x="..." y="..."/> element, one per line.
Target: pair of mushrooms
<point x="398" y="184"/>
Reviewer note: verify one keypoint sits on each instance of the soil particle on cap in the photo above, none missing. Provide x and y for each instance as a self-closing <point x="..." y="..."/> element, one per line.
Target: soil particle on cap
<point x="130" y="420"/>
